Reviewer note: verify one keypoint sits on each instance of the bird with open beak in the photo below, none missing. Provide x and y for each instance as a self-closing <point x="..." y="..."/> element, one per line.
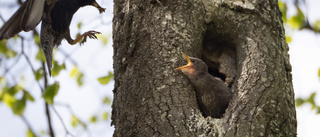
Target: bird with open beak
<point x="56" y="16"/>
<point x="212" y="93"/>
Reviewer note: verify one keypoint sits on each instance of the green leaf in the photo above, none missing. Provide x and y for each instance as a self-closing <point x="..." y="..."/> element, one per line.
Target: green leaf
<point x="11" y="54"/>
<point x="79" y="25"/>
<point x="106" y="100"/>
<point x="105" y="116"/>
<point x="297" y="21"/>
<point x="316" y="25"/>
<point x="288" y="39"/>
<point x="30" y="133"/>
<point x="8" y="53"/>
<point x="8" y="99"/>
<point x="76" y="74"/>
<point x="50" y="92"/>
<point x="18" y="106"/>
<point x="37" y="39"/>
<point x="300" y="16"/>
<point x="3" y="46"/>
<point x="39" y="74"/>
<point x="283" y="9"/>
<point x="93" y="119"/>
<point x="80" y="79"/>
<point x="311" y="100"/>
<point x="2" y="94"/>
<point x="319" y="72"/>
<point x="74" y="121"/>
<point x="12" y="90"/>
<point x="43" y="132"/>
<point x="40" y="56"/>
<point x="104" y="38"/>
<point x="57" y="68"/>
<point x="106" y="79"/>
<point x="78" y="35"/>
<point x="28" y="96"/>
<point x="299" y="102"/>
<point x="3" y="43"/>
<point x="318" y="110"/>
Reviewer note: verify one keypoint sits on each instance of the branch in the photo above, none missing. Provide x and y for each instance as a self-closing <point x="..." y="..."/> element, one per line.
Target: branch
<point x="2" y="19"/>
<point x="15" y="62"/>
<point x="61" y="120"/>
<point x="72" y="113"/>
<point x="306" y="23"/>
<point x="49" y="120"/>
<point x="28" y="124"/>
<point x="29" y="62"/>
<point x="46" y="104"/>
<point x="42" y="90"/>
<point x="68" y="56"/>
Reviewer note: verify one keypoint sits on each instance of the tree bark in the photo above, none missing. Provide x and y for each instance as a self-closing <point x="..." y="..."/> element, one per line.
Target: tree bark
<point x="242" y="41"/>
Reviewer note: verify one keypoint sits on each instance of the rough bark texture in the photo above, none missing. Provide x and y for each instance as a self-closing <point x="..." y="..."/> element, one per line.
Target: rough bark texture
<point x="242" y="41"/>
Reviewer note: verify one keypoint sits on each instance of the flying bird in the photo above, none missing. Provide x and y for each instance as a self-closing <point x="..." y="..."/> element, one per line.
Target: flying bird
<point x="212" y="93"/>
<point x="56" y="16"/>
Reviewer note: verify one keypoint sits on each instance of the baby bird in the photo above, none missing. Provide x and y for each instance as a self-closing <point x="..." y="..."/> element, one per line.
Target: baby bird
<point x="212" y="93"/>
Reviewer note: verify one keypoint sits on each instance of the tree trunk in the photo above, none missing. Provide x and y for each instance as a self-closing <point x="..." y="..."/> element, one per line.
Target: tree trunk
<point x="242" y="42"/>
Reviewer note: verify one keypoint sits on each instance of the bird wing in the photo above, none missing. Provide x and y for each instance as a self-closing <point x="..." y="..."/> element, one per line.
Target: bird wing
<point x="34" y="14"/>
<point x="26" y="18"/>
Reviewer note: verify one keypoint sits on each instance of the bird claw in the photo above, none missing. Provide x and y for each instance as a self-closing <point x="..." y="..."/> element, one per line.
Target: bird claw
<point x="101" y="10"/>
<point x="91" y="34"/>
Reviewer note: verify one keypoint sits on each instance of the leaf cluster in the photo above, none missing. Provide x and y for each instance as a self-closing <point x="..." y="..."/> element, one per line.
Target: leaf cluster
<point x="11" y="96"/>
<point x="310" y="100"/>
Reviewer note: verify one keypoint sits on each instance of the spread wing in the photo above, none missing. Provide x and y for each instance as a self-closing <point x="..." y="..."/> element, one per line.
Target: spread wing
<point x="26" y="18"/>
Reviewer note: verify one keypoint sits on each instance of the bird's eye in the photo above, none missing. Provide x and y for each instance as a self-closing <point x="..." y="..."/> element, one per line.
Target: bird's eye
<point x="193" y="61"/>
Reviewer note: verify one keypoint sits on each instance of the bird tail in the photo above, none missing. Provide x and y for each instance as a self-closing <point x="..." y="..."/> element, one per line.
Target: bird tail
<point x="47" y="46"/>
<point x="48" y="53"/>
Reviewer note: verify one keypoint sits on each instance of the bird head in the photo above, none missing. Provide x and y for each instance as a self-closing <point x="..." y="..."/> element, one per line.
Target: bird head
<point x="194" y="68"/>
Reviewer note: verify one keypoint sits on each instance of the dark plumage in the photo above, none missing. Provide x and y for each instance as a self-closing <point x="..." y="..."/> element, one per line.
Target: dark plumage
<point x="212" y="93"/>
<point x="56" y="16"/>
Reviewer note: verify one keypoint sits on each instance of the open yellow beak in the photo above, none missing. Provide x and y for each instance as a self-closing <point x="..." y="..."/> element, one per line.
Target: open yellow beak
<point x="189" y="62"/>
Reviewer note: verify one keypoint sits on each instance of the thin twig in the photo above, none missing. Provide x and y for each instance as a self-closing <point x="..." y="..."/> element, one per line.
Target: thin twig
<point x="32" y="70"/>
<point x="72" y="113"/>
<point x="28" y="124"/>
<point x="306" y="24"/>
<point x="13" y="79"/>
<point x="49" y="120"/>
<point x="61" y="120"/>
<point x="2" y="19"/>
<point x="15" y="62"/>
<point x="42" y="90"/>
<point x="64" y="105"/>
<point x="29" y="62"/>
<point x="68" y="56"/>
<point x="46" y="104"/>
